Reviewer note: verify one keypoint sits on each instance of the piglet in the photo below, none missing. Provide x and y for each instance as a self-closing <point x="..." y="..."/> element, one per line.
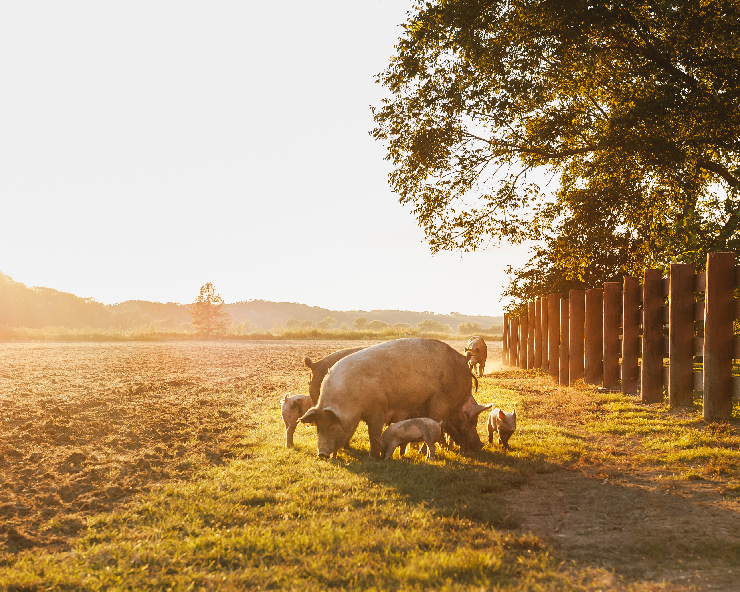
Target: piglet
<point x="292" y="409"/>
<point x="503" y="423"/>
<point x="418" y="429"/>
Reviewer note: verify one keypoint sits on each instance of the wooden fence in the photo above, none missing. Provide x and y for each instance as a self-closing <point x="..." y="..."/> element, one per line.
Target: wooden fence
<point x="622" y="336"/>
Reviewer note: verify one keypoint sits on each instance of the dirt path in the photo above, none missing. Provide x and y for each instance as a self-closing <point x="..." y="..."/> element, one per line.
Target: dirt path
<point x="609" y="511"/>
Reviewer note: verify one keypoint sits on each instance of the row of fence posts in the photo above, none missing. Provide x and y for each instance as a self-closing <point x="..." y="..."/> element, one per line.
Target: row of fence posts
<point x="621" y="336"/>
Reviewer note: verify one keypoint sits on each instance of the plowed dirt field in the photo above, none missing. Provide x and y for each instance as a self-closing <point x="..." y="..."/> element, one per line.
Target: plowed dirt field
<point x="86" y="426"/>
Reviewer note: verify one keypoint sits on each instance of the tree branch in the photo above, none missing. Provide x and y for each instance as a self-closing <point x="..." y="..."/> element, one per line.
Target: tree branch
<point x="720" y="170"/>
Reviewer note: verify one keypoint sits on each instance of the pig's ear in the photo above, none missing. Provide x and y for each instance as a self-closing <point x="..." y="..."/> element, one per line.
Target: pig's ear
<point x="332" y="414"/>
<point x="307" y="361"/>
<point x="310" y="417"/>
<point x="501" y="414"/>
<point x="479" y="409"/>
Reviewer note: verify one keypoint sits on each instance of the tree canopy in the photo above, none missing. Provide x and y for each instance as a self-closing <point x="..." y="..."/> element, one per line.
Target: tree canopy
<point x="629" y="110"/>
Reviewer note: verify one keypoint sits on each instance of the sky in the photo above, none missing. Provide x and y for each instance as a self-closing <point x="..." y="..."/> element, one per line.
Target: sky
<point x="147" y="148"/>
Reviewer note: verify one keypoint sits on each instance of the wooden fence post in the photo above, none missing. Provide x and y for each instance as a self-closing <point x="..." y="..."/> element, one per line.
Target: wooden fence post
<point x="718" y="321"/>
<point x="612" y="310"/>
<point x="530" y="335"/>
<point x="545" y="336"/>
<point x="505" y="342"/>
<point x="594" y="347"/>
<point x="564" y="342"/>
<point x="630" y="335"/>
<point x="538" y="333"/>
<point x="681" y="335"/>
<point x="523" y="341"/>
<point x="553" y="333"/>
<point x="514" y="341"/>
<point x="577" y="315"/>
<point x="651" y="383"/>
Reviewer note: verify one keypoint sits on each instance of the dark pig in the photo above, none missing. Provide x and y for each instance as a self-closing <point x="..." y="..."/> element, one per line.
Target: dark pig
<point x="320" y="368"/>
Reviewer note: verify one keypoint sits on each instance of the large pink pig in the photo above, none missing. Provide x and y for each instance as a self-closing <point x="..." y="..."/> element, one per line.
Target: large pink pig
<point x="393" y="381"/>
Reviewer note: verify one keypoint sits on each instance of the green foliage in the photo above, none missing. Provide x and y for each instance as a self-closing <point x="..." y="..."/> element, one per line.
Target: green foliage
<point x="432" y="326"/>
<point x="359" y="323"/>
<point x="209" y="316"/>
<point x="469" y="328"/>
<point x="377" y="325"/>
<point x="326" y="323"/>
<point x="631" y="110"/>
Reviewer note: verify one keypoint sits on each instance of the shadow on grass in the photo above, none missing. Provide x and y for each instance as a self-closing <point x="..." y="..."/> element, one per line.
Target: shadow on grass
<point x="454" y="486"/>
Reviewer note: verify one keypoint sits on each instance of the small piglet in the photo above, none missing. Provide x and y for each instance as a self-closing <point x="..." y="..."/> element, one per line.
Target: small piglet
<point x="503" y="423"/>
<point x="293" y="408"/>
<point x="418" y="429"/>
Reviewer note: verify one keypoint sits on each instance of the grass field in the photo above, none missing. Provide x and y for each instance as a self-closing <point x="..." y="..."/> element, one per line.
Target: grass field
<point x="136" y="466"/>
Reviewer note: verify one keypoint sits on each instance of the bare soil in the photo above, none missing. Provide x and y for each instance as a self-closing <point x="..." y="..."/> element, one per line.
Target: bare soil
<point x="84" y="427"/>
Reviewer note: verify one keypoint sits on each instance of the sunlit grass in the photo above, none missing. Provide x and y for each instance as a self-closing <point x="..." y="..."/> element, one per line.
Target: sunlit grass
<point x="282" y="519"/>
<point x="285" y="520"/>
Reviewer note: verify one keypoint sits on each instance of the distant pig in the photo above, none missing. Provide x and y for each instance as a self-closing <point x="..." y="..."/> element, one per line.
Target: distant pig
<point x="418" y="429"/>
<point x="292" y="409"/>
<point x="477" y="352"/>
<point x="503" y="423"/>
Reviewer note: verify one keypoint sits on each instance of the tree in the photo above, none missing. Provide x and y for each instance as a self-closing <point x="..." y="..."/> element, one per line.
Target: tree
<point x="360" y="323"/>
<point x="326" y="323"/>
<point x="432" y="326"/>
<point x="209" y="316"/>
<point x="469" y="328"/>
<point x="630" y="108"/>
<point x="292" y="323"/>
<point x="377" y="325"/>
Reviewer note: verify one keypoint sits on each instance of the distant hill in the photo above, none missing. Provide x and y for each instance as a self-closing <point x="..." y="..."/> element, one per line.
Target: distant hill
<point x="267" y="315"/>
<point x="21" y="306"/>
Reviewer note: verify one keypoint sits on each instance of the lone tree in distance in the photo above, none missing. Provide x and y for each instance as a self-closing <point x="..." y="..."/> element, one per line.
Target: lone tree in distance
<point x="209" y="316"/>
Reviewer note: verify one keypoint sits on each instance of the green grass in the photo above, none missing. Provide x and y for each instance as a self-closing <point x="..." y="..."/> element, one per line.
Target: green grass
<point x="282" y="519"/>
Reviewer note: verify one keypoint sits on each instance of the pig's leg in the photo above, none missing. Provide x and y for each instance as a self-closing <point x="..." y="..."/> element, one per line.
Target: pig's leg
<point x="430" y="450"/>
<point x="392" y="445"/>
<point x="375" y="431"/>
<point x="289" y="434"/>
<point x="403" y="447"/>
